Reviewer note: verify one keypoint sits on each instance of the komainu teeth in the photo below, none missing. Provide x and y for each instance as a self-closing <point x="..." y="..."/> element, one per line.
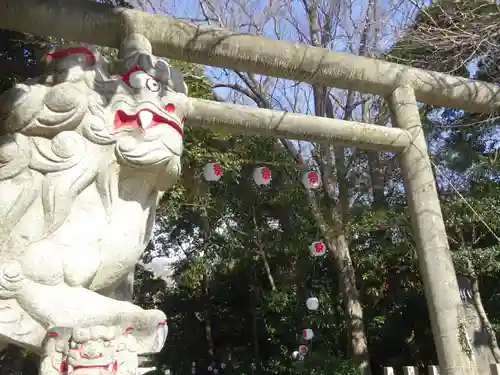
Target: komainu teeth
<point x="110" y="367"/>
<point x="70" y="369"/>
<point x="145" y="118"/>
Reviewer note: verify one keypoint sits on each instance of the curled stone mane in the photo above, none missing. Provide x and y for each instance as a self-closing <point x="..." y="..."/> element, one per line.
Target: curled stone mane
<point x="86" y="151"/>
<point x="55" y="138"/>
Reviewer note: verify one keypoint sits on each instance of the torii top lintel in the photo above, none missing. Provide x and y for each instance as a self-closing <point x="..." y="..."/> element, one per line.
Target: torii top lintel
<point x="100" y="24"/>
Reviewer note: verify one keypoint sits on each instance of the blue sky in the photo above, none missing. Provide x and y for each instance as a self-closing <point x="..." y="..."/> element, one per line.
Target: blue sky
<point x="284" y="19"/>
<point x="281" y="15"/>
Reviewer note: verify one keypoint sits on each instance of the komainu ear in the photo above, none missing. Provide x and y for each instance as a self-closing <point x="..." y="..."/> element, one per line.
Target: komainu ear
<point x="178" y="83"/>
<point x="70" y="62"/>
<point x="134" y="43"/>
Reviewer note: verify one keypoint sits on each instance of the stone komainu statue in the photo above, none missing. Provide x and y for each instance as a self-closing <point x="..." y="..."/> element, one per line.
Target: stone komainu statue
<point x="86" y="151"/>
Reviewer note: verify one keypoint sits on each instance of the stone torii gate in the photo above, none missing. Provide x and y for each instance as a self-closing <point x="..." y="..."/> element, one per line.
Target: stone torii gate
<point x="98" y="24"/>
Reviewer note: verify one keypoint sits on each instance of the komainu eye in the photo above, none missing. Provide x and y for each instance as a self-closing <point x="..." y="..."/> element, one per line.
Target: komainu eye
<point x="152" y="85"/>
<point x="138" y="79"/>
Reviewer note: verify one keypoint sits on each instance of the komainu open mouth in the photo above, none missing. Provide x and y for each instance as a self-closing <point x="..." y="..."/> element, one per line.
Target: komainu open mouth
<point x="66" y="368"/>
<point x="144" y="119"/>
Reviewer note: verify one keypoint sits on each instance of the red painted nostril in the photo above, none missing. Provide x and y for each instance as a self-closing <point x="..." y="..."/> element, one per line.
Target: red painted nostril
<point x="170" y="107"/>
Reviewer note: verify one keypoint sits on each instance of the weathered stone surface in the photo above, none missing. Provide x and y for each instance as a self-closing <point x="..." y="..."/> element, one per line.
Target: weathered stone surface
<point x="86" y="151"/>
<point x="95" y="350"/>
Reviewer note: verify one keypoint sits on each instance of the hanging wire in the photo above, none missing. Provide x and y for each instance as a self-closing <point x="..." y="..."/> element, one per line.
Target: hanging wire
<point x="313" y="273"/>
<point x="256" y="162"/>
<point x="441" y="173"/>
<point x="467" y="125"/>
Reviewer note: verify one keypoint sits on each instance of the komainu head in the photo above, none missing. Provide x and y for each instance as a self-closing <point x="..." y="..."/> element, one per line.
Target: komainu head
<point x="85" y="120"/>
<point x="136" y="104"/>
<point x="97" y="350"/>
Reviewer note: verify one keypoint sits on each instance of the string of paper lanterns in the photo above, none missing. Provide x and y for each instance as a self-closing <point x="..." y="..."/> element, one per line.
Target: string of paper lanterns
<point x="311" y="179"/>
<point x="317" y="249"/>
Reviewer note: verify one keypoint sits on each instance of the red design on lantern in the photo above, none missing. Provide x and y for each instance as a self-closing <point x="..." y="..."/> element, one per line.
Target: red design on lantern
<point x="262" y="176"/>
<point x="212" y="171"/>
<point x="319" y="247"/>
<point x="265" y="173"/>
<point x="312" y="177"/>
<point x="217" y="169"/>
<point x="307" y="334"/>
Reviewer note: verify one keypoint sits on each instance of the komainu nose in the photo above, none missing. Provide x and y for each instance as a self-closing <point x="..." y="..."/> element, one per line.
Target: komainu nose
<point x="91" y="353"/>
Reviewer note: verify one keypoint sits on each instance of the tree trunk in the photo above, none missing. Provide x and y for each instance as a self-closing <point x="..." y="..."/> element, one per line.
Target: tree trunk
<point x="478" y="303"/>
<point x="353" y="309"/>
<point x="206" y="317"/>
<point x="267" y="269"/>
<point x="471" y="290"/>
<point x="262" y="254"/>
<point x="375" y="165"/>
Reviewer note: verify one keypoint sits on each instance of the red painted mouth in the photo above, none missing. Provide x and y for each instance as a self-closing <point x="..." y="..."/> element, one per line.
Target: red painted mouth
<point x="111" y="368"/>
<point x="123" y="119"/>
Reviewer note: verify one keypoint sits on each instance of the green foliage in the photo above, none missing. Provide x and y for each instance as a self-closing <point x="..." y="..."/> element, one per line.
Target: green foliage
<point x="449" y="34"/>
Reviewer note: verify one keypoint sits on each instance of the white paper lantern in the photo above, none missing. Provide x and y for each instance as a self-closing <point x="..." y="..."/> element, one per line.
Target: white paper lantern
<point x="212" y="171"/>
<point x="317" y="249"/>
<point x="193" y="370"/>
<point x="210" y="368"/>
<point x="193" y="364"/>
<point x="295" y="355"/>
<point x="223" y="365"/>
<point x="262" y="175"/>
<point x="303" y="349"/>
<point x="307" y="334"/>
<point x="312" y="303"/>
<point x="216" y="371"/>
<point x="311" y="179"/>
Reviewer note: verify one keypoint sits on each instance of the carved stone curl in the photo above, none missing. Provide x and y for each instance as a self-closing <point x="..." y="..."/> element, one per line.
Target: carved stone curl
<point x="86" y="151"/>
